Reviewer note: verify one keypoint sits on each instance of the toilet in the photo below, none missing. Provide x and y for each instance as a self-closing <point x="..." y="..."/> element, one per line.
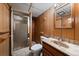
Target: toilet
<point x="36" y="49"/>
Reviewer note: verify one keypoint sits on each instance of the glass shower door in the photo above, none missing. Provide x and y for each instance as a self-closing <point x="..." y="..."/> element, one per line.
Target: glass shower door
<point x="20" y="34"/>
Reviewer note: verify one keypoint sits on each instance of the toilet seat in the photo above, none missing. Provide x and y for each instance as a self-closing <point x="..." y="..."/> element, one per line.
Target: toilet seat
<point x="36" y="47"/>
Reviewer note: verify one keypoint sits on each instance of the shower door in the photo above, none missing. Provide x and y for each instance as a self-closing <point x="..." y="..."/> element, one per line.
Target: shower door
<point x="20" y="34"/>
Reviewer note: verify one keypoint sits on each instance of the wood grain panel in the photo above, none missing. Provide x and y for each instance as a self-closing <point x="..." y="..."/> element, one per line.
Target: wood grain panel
<point x="1" y="17"/>
<point x="4" y="45"/>
<point x="4" y="18"/>
<point x="4" y="28"/>
<point x="33" y="29"/>
<point x="76" y="9"/>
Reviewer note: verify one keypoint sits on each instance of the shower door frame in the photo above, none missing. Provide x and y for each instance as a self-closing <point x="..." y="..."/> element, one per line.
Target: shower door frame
<point x="29" y="29"/>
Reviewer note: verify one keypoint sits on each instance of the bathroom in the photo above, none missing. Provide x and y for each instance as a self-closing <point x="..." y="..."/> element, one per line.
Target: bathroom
<point x="41" y="29"/>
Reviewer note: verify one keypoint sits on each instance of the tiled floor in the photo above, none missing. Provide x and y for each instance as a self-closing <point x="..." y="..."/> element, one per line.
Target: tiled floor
<point x="22" y="52"/>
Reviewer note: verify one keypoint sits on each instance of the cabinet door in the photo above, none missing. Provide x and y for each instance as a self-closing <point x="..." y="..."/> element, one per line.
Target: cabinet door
<point x="1" y="17"/>
<point x="4" y="18"/>
<point x="4" y="44"/>
<point x="4" y="27"/>
<point x="46" y="53"/>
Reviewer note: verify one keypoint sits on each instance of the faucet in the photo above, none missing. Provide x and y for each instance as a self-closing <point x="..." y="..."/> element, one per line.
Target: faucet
<point x="60" y="38"/>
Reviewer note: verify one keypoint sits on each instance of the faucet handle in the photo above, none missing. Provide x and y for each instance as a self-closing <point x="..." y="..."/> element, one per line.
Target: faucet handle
<point x="56" y="37"/>
<point x="59" y="38"/>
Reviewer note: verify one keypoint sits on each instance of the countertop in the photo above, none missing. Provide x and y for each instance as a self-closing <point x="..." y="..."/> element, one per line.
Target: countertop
<point x="72" y="50"/>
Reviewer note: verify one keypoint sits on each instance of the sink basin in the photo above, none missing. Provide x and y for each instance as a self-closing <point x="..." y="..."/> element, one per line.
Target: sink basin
<point x="60" y="43"/>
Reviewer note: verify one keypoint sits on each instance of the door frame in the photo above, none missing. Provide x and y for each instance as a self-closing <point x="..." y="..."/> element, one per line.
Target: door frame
<point x="11" y="32"/>
<point x="9" y="29"/>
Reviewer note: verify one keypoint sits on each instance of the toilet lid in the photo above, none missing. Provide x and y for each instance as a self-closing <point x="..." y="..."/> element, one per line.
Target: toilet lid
<point x="36" y="47"/>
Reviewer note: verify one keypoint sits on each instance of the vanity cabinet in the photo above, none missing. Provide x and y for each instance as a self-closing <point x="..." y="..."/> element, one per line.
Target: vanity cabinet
<point x="48" y="50"/>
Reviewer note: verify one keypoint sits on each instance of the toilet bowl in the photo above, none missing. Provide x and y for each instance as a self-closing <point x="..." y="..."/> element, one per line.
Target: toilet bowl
<point x="36" y="49"/>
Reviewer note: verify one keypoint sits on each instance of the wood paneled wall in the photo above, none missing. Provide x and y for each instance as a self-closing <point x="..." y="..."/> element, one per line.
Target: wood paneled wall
<point x="45" y="24"/>
<point x="76" y="6"/>
<point x="33" y="29"/>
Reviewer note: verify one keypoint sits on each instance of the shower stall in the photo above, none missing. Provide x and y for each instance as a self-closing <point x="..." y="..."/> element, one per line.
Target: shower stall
<point x="20" y="31"/>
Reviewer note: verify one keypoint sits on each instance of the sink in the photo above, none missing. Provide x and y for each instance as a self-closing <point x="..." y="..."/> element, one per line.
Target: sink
<point x="60" y="43"/>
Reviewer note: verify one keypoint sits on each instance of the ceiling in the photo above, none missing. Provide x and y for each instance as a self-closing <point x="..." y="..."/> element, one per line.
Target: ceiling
<point x="37" y="8"/>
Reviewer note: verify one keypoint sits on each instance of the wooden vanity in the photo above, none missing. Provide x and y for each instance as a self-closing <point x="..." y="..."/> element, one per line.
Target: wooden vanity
<point x="48" y="50"/>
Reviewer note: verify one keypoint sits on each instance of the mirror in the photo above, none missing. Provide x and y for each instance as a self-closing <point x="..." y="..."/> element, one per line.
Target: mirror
<point x="63" y="15"/>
